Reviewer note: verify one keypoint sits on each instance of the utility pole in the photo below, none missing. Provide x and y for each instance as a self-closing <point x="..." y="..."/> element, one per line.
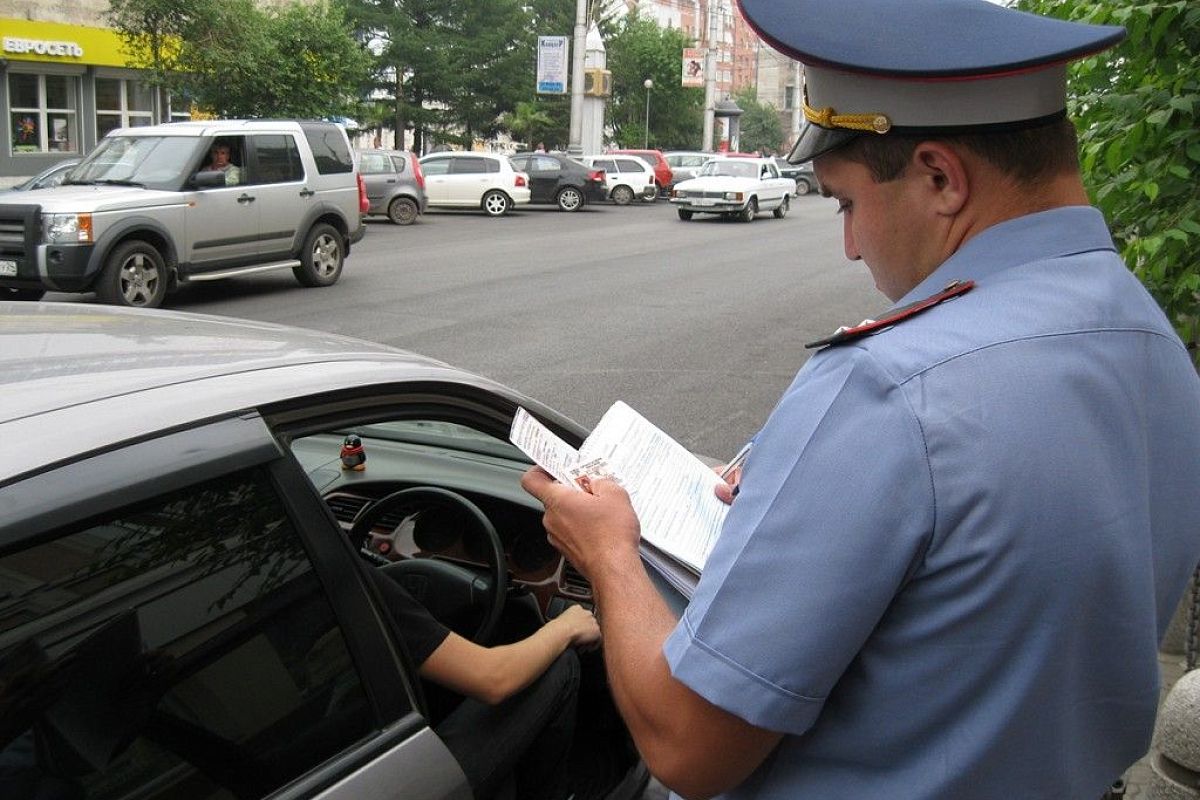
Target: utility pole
<point x="710" y="76"/>
<point x="578" y="46"/>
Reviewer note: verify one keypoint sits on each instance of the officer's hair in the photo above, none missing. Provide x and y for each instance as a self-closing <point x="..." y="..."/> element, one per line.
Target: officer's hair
<point x="1027" y="154"/>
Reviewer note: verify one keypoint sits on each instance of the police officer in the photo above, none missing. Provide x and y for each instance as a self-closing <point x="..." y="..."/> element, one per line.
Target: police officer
<point x="957" y="512"/>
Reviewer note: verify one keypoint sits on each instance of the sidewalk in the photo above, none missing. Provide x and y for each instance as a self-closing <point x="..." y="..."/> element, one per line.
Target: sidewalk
<point x="1138" y="777"/>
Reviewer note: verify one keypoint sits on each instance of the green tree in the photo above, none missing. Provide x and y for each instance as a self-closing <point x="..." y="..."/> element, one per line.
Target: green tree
<point x="1137" y="108"/>
<point x="640" y="49"/>
<point x="761" y="129"/>
<point x="233" y="59"/>
<point x="528" y="122"/>
<point x="451" y="67"/>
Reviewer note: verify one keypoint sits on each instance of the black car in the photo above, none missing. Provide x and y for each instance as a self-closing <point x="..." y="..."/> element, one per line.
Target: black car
<point x="559" y="179"/>
<point x="802" y="174"/>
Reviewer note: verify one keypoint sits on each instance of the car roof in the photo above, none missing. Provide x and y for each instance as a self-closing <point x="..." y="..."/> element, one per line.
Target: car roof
<point x="78" y="377"/>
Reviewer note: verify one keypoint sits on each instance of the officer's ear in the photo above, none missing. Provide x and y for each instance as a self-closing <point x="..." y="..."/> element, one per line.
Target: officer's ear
<point x="943" y="176"/>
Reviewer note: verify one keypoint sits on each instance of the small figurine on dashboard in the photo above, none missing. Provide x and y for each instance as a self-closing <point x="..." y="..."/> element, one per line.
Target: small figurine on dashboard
<point x="353" y="455"/>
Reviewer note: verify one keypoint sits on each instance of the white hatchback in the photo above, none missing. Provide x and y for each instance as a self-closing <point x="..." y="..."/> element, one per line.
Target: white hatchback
<point x="627" y="177"/>
<point x="474" y="180"/>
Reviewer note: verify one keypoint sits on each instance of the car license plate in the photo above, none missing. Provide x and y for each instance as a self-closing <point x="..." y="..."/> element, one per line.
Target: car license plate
<point x="8" y="266"/>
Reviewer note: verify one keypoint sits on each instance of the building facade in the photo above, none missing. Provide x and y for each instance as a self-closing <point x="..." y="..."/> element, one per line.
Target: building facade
<point x="64" y="83"/>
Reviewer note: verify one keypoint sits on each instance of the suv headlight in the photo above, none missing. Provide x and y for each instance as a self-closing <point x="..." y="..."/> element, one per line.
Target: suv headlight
<point x="67" y="228"/>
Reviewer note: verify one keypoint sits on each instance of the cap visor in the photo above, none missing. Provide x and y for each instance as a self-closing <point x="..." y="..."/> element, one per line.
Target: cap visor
<point x="815" y="140"/>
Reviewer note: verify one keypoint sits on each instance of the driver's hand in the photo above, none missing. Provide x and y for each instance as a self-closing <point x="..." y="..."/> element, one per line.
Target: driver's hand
<point x="580" y="626"/>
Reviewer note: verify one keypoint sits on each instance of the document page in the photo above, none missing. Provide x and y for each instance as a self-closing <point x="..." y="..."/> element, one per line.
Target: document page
<point x="672" y="491"/>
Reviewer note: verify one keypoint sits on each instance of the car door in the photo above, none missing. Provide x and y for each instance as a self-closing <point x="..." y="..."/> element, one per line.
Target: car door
<point x="182" y="622"/>
<point x="437" y="180"/>
<point x="544" y="173"/>
<point x="275" y="174"/>
<point x="379" y="176"/>
<point x="222" y="221"/>
<point x="470" y="177"/>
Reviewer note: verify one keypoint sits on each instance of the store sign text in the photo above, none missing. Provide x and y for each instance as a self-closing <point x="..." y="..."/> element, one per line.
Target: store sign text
<point x="41" y="47"/>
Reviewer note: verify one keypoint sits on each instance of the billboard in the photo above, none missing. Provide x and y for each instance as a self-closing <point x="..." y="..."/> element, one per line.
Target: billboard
<point x="693" y="66"/>
<point x="552" y="58"/>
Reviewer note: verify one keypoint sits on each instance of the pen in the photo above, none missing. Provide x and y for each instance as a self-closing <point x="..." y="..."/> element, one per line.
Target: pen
<point x="738" y="459"/>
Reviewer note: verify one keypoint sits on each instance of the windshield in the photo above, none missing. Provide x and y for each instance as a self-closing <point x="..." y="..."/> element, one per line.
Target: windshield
<point x="731" y="168"/>
<point x="157" y="162"/>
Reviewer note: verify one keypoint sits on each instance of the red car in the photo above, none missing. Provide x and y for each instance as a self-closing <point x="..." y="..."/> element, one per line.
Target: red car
<point x="662" y="170"/>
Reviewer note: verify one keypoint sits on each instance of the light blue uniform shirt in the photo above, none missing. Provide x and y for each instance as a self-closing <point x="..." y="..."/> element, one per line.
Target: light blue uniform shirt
<point x="958" y="541"/>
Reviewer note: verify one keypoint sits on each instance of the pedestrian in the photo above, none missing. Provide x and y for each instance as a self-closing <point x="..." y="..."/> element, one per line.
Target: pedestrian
<point x="378" y="143"/>
<point x="541" y="147"/>
<point x="959" y="536"/>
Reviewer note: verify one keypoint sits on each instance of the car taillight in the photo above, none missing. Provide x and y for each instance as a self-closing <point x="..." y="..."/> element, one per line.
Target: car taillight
<point x="596" y="175"/>
<point x="520" y="179"/>
<point x="364" y="205"/>
<point x="416" y="167"/>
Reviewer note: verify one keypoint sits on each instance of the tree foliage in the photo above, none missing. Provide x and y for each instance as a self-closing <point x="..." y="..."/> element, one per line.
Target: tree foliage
<point x="452" y="67"/>
<point x="234" y="59"/>
<point x="1137" y="108"/>
<point x="761" y="129"/>
<point x="640" y="49"/>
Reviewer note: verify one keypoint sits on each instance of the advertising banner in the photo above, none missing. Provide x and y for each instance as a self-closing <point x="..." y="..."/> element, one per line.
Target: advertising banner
<point x="693" y="66"/>
<point x="552" y="59"/>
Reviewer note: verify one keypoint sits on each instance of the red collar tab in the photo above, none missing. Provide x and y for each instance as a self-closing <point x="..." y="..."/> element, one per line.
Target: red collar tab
<point x="953" y="289"/>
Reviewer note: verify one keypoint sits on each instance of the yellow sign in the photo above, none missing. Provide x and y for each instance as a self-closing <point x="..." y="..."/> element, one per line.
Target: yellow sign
<point x="29" y="40"/>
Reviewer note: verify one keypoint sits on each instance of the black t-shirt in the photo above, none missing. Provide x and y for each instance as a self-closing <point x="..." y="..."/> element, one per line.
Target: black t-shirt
<point x="421" y="632"/>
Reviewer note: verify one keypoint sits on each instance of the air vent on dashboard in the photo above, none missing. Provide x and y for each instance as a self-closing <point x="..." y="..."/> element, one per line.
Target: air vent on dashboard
<point x="573" y="582"/>
<point x="345" y="507"/>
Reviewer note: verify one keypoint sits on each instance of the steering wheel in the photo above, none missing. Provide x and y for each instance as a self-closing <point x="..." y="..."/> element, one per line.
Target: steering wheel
<point x="454" y="595"/>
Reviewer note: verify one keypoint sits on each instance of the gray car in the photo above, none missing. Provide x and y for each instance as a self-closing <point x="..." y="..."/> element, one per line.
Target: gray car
<point x="186" y="608"/>
<point x="395" y="184"/>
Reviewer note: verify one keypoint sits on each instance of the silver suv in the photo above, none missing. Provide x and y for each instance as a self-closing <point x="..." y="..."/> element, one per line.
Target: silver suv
<point x="144" y="212"/>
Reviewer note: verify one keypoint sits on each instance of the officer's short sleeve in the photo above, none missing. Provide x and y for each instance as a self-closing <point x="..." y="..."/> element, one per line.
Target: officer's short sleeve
<point x="835" y="508"/>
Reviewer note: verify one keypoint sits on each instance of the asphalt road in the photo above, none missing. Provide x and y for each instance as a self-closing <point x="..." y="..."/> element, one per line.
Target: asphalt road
<point x="698" y="325"/>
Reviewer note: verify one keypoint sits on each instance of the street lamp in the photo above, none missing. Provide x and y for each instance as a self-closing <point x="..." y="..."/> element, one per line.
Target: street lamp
<point x="649" y="84"/>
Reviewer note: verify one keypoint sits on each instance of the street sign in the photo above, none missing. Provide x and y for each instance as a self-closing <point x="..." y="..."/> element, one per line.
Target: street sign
<point x="552" y="58"/>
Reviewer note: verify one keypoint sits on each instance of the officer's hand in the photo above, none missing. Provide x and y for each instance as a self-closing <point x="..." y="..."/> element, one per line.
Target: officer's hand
<point x="726" y="490"/>
<point x="595" y="529"/>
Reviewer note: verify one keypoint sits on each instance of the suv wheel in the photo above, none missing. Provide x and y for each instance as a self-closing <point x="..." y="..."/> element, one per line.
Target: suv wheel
<point x="569" y="199"/>
<point x="803" y="186"/>
<point x="403" y="211"/>
<point x="622" y="195"/>
<point x="21" y="294"/>
<point x="321" y="258"/>
<point x="495" y="203"/>
<point x="134" y="275"/>
<point x="684" y="214"/>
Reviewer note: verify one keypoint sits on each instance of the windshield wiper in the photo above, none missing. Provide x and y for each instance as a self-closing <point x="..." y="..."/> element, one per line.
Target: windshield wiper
<point x="120" y="182"/>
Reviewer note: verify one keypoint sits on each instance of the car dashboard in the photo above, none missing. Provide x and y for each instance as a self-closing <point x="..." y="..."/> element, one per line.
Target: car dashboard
<point x="491" y="482"/>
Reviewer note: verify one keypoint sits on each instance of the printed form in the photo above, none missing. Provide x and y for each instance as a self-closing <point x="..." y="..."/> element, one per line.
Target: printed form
<point x="672" y="491"/>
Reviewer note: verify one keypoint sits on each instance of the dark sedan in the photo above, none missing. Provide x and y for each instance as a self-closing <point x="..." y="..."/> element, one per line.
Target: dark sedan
<point x="559" y="179"/>
<point x="802" y="174"/>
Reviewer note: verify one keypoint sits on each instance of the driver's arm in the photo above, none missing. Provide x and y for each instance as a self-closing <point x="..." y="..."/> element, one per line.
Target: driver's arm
<point x="493" y="674"/>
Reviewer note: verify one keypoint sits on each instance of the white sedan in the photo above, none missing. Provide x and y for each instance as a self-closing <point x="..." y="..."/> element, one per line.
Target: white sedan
<point x="734" y="187"/>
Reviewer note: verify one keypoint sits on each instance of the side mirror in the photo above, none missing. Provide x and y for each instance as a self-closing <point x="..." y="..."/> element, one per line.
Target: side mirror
<point x="210" y="179"/>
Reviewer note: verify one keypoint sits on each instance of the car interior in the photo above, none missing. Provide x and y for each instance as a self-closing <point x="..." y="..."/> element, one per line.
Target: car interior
<point x="434" y="501"/>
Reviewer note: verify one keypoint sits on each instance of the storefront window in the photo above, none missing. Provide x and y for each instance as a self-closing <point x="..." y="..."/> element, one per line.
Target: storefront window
<point x="123" y="104"/>
<point x="43" y="116"/>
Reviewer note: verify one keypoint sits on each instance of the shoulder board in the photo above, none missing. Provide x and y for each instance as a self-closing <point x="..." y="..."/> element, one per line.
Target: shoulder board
<point x="953" y="289"/>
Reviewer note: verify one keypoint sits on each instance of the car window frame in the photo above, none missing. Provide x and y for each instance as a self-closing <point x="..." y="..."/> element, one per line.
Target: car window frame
<point x="38" y="506"/>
